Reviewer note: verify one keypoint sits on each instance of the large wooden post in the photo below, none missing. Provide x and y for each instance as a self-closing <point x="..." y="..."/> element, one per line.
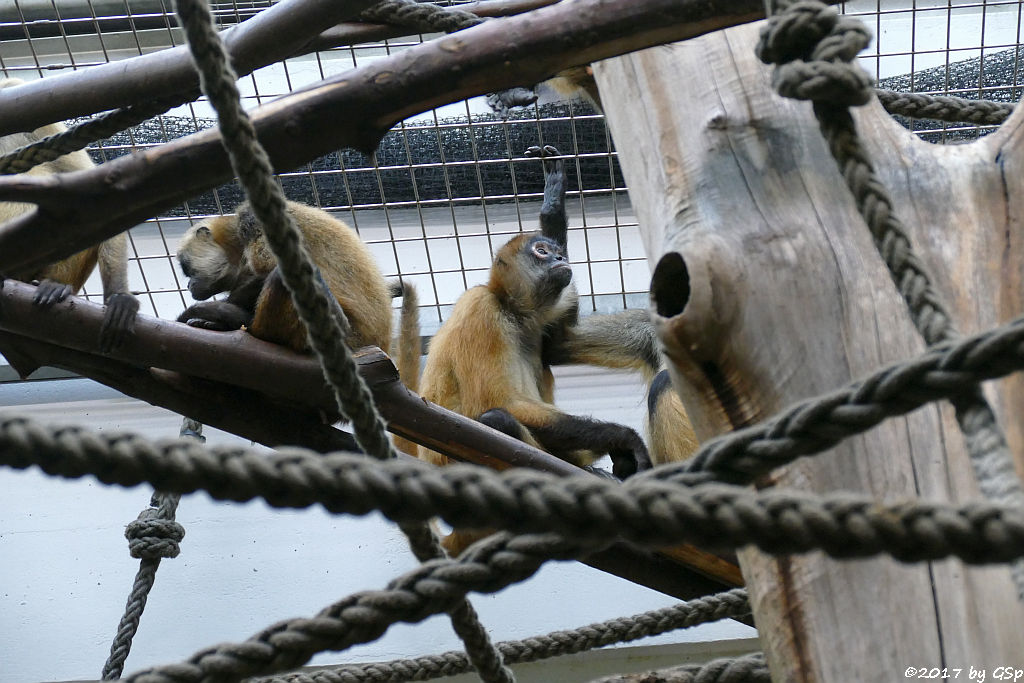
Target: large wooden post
<point x="784" y="297"/>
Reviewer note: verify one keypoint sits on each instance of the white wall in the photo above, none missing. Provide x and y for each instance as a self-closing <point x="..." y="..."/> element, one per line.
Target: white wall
<point x="66" y="572"/>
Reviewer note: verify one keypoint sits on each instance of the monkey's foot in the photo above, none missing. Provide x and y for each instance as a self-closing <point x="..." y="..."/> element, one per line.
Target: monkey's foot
<point x="49" y="293"/>
<point x="118" y="320"/>
<point x="504" y="101"/>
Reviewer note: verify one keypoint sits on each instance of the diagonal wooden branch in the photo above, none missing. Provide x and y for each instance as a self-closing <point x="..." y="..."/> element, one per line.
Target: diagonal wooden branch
<point x="264" y="392"/>
<point x="245" y="413"/>
<point x="274" y="34"/>
<point x="352" y="110"/>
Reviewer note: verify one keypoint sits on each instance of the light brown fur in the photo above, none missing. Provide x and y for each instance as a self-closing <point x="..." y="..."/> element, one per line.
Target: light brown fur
<point x="477" y="361"/>
<point x="344" y="261"/>
<point x="75" y="269"/>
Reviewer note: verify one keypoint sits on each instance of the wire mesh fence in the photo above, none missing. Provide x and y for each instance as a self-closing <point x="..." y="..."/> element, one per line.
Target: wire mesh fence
<point x="447" y="187"/>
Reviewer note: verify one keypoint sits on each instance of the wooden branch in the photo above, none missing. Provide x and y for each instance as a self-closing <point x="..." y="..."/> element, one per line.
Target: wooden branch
<point x="276" y="33"/>
<point x="266" y="393"/>
<point x="351" y="110"/>
<point x="771" y="291"/>
<point x="245" y="413"/>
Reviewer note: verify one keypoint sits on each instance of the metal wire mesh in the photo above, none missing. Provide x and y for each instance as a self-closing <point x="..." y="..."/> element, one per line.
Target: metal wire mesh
<point x="447" y="187"/>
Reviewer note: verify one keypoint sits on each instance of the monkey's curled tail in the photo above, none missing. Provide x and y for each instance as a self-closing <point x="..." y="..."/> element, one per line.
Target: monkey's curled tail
<point x="407" y="347"/>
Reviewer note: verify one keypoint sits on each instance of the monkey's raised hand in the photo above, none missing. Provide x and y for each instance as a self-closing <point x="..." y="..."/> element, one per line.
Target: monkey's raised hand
<point x="118" y="320"/>
<point x="222" y="316"/>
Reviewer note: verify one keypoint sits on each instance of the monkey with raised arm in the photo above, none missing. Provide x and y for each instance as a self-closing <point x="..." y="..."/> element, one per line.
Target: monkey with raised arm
<point x="623" y="340"/>
<point x="66" y="277"/>
<point x="486" y="360"/>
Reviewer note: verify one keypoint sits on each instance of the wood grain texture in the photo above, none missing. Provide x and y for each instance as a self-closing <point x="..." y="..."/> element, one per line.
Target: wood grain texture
<point x="787" y="298"/>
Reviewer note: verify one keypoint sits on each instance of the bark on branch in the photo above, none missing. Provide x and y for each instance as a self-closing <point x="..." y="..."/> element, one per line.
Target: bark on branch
<point x="352" y="110"/>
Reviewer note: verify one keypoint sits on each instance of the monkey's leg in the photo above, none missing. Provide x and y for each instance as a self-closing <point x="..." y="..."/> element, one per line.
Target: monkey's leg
<point x="561" y="434"/>
<point x="503" y="101"/>
<point x="553" y="222"/>
<point x="275" y="318"/>
<point x="120" y="305"/>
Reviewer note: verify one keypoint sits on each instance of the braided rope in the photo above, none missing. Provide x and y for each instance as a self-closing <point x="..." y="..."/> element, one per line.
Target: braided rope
<point x="153" y="536"/>
<point x="776" y="522"/>
<point x="814" y="49"/>
<point x="748" y="669"/>
<point x="319" y="311"/>
<point x="81" y="136"/>
<point x="587" y="509"/>
<point x="423" y="17"/>
<point x="944" y="108"/>
<point x="730" y="604"/>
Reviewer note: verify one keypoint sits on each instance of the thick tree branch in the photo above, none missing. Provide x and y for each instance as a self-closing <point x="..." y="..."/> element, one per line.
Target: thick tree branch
<point x="276" y="33"/>
<point x="284" y="30"/>
<point x="242" y="412"/>
<point x="352" y="110"/>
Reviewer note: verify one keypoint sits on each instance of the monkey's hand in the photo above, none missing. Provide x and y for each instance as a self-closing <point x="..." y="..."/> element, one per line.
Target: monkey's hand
<point x="503" y="101"/>
<point x="216" y="315"/>
<point x="118" y="320"/>
<point x="630" y="460"/>
<point x="49" y="292"/>
<point x="550" y="165"/>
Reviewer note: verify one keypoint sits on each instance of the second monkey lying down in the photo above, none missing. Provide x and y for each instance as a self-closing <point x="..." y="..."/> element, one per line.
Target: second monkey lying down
<point x="486" y="362"/>
<point x="230" y="254"/>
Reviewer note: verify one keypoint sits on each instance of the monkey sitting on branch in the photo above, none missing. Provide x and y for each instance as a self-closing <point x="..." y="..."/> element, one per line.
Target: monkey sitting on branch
<point x="57" y="281"/>
<point x="486" y="360"/>
<point x="230" y="254"/>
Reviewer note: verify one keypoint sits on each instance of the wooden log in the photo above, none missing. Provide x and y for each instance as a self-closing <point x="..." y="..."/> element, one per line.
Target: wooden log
<point x="780" y="295"/>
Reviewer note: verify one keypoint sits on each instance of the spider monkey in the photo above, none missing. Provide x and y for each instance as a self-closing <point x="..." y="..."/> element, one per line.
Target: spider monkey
<point x="623" y="340"/>
<point x="486" y="361"/>
<point x="59" y="280"/>
<point x="230" y="254"/>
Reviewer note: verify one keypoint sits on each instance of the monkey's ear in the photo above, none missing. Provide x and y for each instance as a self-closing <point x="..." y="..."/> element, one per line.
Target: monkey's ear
<point x="203" y="231"/>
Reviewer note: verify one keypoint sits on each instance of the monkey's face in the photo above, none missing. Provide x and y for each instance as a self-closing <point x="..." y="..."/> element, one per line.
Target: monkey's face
<point x="205" y="264"/>
<point x="548" y="265"/>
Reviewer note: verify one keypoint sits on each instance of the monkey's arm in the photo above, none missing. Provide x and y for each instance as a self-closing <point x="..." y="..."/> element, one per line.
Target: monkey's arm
<point x="560" y="434"/>
<point x="553" y="222"/>
<point x="121" y="306"/>
<point x="623" y="340"/>
<point x="222" y="316"/>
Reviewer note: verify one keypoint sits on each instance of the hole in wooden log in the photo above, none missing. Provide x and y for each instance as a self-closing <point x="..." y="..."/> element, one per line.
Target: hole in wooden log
<point x="670" y="285"/>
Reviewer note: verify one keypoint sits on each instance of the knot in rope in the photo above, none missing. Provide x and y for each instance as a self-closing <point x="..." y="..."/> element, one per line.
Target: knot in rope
<point x="814" y="48"/>
<point x="153" y="537"/>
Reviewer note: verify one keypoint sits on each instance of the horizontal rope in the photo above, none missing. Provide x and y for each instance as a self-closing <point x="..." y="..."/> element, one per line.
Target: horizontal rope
<point x="730" y="604"/>
<point x="584" y="507"/>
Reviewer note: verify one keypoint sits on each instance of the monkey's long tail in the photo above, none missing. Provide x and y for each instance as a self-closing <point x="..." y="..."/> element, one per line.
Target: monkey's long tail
<point x="407" y="347"/>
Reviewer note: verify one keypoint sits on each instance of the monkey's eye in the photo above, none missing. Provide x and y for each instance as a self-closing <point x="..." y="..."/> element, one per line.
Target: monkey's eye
<point x="540" y="250"/>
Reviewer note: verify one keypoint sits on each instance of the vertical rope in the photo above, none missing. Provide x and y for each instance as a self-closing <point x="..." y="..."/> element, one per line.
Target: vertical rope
<point x="317" y="308"/>
<point x="153" y="536"/>
<point x="814" y="49"/>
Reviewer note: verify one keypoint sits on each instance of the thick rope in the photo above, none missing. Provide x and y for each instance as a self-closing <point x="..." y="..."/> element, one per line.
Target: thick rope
<point x="712" y="514"/>
<point x="814" y="49"/>
<point x="82" y="135"/>
<point x="421" y="16"/>
<point x="748" y="669"/>
<point x="730" y="604"/>
<point x="585" y="508"/>
<point x="153" y="536"/>
<point x="944" y="108"/>
<point x="317" y="308"/>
